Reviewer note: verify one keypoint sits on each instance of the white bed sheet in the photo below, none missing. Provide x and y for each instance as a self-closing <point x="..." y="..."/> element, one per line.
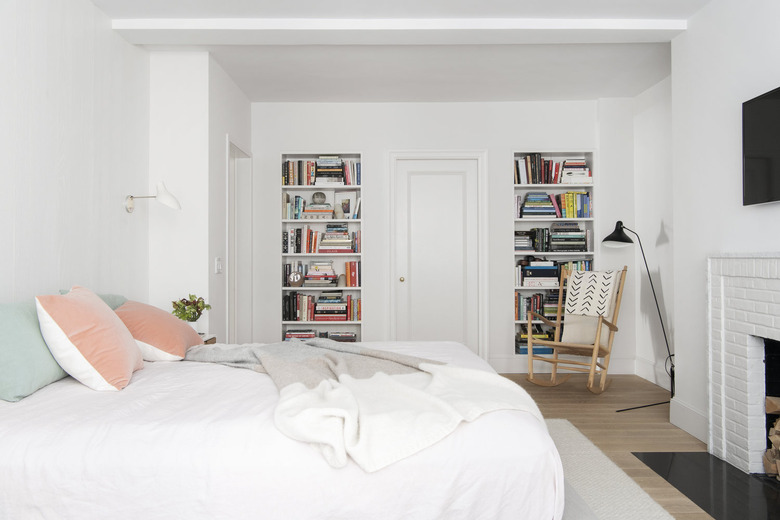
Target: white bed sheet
<point x="197" y="441"/>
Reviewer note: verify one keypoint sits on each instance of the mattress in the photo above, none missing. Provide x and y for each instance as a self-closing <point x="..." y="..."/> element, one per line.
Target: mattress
<point x="197" y="441"/>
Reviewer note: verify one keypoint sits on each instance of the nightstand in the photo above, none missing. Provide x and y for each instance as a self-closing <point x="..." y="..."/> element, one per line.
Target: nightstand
<point x="209" y="339"/>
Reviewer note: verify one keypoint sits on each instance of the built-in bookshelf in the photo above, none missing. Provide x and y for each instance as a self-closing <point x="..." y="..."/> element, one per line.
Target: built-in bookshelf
<point x="553" y="227"/>
<point x="321" y="242"/>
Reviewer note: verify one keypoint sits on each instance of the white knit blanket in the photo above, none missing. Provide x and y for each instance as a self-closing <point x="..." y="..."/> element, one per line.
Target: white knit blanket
<point x="374" y="406"/>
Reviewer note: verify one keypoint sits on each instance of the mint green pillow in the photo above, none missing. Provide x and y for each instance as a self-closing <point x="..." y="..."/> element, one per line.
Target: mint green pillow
<point x="26" y="364"/>
<point x="112" y="300"/>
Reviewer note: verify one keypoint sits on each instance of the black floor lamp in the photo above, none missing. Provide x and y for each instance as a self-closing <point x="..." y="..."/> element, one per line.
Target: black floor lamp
<point x="618" y="238"/>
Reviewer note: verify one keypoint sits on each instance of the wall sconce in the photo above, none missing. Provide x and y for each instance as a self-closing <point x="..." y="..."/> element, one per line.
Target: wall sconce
<point x="163" y="197"/>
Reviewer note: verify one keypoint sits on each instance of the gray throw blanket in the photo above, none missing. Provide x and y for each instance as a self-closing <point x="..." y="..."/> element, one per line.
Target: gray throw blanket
<point x="374" y="406"/>
<point x="307" y="361"/>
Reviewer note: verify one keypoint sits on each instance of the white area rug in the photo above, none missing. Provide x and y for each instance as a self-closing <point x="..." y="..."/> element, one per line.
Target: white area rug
<point x="596" y="488"/>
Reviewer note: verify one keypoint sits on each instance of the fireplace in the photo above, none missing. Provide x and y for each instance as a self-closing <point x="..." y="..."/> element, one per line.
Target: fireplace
<point x="744" y="309"/>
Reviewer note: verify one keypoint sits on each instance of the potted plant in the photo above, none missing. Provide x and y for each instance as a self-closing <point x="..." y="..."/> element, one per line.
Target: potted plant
<point x="190" y="309"/>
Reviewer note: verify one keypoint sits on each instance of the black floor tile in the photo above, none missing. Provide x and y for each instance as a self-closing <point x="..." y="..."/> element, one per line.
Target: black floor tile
<point x="717" y="487"/>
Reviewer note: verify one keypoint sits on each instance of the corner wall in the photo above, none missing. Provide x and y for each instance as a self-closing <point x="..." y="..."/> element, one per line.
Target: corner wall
<point x="727" y="56"/>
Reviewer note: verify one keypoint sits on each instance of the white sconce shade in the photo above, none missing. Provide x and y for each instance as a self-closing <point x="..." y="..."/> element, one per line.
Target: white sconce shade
<point x="163" y="196"/>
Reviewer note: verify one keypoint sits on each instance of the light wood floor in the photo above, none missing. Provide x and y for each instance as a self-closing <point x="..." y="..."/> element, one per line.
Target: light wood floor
<point x="619" y="434"/>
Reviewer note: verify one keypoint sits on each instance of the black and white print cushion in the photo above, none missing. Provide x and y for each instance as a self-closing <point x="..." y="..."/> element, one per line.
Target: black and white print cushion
<point x="589" y="293"/>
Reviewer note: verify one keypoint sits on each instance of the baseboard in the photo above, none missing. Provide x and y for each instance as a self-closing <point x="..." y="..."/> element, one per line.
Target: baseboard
<point x="690" y="420"/>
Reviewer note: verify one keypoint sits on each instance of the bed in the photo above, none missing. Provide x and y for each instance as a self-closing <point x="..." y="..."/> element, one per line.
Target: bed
<point x="198" y="441"/>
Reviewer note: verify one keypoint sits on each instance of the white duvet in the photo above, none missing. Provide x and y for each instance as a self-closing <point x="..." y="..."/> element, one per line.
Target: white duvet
<point x="198" y="441"/>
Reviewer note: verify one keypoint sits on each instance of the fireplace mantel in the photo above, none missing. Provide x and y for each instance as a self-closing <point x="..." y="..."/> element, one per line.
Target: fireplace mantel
<point x="743" y="308"/>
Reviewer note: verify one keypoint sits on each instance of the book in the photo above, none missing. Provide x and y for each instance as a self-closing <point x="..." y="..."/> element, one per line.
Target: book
<point x="356" y="212"/>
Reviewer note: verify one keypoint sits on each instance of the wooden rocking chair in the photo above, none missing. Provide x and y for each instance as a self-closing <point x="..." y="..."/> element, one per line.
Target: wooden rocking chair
<point x="580" y="328"/>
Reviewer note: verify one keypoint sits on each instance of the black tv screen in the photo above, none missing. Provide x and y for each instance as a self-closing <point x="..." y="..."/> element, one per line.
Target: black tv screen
<point x="761" y="149"/>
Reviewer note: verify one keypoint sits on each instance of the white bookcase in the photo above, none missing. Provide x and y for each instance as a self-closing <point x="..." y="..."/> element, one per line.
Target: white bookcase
<point x="313" y="237"/>
<point x="552" y="230"/>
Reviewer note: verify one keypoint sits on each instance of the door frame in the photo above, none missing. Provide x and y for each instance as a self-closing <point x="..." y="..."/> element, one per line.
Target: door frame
<point x="238" y="162"/>
<point x="394" y="157"/>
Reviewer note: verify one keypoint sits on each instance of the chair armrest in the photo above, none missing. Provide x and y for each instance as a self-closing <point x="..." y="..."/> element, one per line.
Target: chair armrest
<point x="609" y="324"/>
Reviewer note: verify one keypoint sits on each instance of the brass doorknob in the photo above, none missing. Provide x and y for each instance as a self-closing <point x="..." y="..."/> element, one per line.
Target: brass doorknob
<point x="402" y="279"/>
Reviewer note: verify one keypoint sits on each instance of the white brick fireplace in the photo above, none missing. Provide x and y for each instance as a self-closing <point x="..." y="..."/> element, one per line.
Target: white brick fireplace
<point x="744" y="308"/>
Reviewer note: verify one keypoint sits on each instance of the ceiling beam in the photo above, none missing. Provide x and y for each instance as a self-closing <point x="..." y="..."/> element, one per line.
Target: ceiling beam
<point x="394" y="31"/>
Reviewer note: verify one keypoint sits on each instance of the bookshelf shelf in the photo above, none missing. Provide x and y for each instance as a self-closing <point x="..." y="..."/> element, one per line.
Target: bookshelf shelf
<point x="317" y="219"/>
<point x="305" y="288"/>
<point x="320" y="220"/>
<point x="554" y="213"/>
<point x="551" y="219"/>
<point x="318" y="323"/>
<point x="554" y="253"/>
<point x="320" y="255"/>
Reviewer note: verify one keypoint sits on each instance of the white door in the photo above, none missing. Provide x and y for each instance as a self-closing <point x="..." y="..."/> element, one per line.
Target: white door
<point x="239" y="247"/>
<point x="436" y="227"/>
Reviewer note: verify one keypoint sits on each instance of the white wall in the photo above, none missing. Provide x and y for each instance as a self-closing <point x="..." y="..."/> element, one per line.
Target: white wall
<point x="229" y="115"/>
<point x="653" y="197"/>
<point x="615" y="201"/>
<point x="179" y="156"/>
<point x="74" y="105"/>
<point x="727" y="55"/>
<point x="376" y="129"/>
<point x="195" y="106"/>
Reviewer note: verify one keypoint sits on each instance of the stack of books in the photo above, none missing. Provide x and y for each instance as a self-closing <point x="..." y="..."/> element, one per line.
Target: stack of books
<point x="537" y="204"/>
<point x="550" y="305"/>
<point x="317" y="211"/>
<point x="524" y="242"/>
<point x="542" y="273"/>
<point x="521" y="340"/>
<point x="575" y="171"/>
<point x="330" y="171"/>
<point x="300" y="334"/>
<point x="331" y="306"/>
<point x="320" y="274"/>
<point x="567" y="236"/>
<point x="336" y="239"/>
<point x="348" y="337"/>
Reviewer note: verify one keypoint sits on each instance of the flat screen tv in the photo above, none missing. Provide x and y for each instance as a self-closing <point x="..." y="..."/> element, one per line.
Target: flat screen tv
<point x="761" y="149"/>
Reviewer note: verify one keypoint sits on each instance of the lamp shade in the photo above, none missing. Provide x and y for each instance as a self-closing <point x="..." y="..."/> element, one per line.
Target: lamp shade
<point x="165" y="197"/>
<point x="617" y="238"/>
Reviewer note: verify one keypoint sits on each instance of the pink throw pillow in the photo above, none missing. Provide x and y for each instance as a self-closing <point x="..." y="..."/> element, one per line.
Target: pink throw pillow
<point x="88" y="339"/>
<point x="160" y="335"/>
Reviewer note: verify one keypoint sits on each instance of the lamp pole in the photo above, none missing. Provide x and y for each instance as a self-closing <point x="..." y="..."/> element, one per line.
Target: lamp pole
<point x="619" y="237"/>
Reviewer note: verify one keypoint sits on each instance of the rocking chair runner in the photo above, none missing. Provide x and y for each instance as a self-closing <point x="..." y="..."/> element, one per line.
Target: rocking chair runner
<point x="580" y="328"/>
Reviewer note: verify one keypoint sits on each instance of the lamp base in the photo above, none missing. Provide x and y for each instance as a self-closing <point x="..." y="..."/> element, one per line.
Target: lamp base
<point x="671" y="384"/>
<point x="642" y="406"/>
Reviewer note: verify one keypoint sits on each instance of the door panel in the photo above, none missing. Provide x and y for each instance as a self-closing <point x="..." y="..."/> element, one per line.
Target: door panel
<point x="436" y="250"/>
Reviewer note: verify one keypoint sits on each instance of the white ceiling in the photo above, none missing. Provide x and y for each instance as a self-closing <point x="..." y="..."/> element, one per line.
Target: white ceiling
<point x="418" y="50"/>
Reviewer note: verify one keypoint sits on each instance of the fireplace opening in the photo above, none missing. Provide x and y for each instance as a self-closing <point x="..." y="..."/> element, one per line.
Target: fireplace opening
<point x="772" y="387"/>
